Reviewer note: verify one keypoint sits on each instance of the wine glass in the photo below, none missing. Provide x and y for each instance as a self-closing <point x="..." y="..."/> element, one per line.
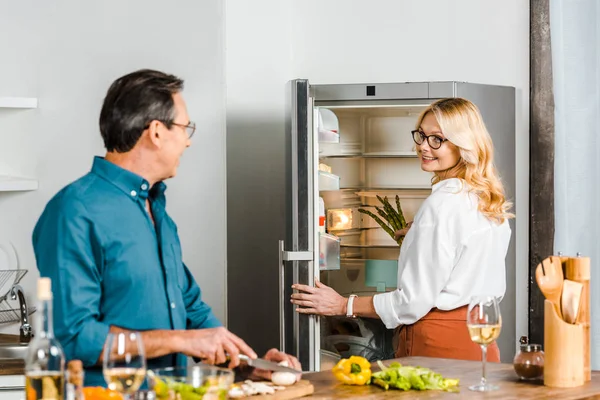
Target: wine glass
<point x="484" y="323"/>
<point x="124" y="362"/>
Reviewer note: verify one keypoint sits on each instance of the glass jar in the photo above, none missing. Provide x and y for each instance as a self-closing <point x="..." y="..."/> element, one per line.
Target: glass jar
<point x="529" y="361"/>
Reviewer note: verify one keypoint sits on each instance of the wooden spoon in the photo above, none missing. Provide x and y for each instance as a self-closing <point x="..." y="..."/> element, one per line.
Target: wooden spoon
<point x="549" y="277"/>
<point x="570" y="300"/>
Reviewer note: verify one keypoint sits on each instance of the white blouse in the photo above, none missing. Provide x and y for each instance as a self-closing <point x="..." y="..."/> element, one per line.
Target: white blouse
<point x="451" y="253"/>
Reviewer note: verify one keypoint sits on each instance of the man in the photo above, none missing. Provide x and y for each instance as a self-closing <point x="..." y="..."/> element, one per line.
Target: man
<point x="113" y="252"/>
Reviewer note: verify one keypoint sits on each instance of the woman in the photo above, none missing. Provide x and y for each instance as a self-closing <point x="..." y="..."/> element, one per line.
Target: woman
<point x="455" y="248"/>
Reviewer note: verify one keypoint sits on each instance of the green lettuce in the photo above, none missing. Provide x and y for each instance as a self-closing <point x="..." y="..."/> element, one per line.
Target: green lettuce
<point x="397" y="376"/>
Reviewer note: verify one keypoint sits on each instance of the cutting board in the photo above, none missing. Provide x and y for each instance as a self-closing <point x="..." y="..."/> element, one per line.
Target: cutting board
<point x="300" y="389"/>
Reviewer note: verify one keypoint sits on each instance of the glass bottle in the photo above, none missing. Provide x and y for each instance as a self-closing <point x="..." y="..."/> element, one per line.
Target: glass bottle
<point x="45" y="363"/>
<point x="75" y="377"/>
<point x="529" y="361"/>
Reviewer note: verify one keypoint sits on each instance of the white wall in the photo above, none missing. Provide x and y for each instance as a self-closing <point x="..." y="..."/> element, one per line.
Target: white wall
<point x="258" y="65"/>
<point x="354" y="41"/>
<point x="67" y="53"/>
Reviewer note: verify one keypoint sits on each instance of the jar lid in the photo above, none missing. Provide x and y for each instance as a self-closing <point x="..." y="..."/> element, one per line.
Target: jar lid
<point x="524" y="340"/>
<point x="531" y="348"/>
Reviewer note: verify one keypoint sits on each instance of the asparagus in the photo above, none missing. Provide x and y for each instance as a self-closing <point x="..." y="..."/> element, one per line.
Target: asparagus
<point x="378" y="220"/>
<point x="400" y="213"/>
<point x="385" y="216"/>
<point x="394" y="218"/>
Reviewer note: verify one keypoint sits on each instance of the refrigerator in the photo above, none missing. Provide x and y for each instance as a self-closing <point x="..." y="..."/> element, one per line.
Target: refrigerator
<point x="293" y="199"/>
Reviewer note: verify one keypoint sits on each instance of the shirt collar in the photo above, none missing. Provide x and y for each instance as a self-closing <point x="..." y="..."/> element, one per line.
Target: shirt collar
<point x="128" y="182"/>
<point x="451" y="185"/>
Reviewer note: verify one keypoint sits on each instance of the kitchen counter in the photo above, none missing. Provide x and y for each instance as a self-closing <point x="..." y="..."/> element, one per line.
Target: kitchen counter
<point x="469" y="373"/>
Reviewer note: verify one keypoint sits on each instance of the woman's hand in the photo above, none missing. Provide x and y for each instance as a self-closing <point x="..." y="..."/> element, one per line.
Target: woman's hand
<point x="402" y="232"/>
<point x="320" y="300"/>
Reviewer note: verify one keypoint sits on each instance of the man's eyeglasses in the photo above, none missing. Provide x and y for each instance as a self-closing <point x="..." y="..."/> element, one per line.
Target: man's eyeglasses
<point x="434" y="141"/>
<point x="189" y="128"/>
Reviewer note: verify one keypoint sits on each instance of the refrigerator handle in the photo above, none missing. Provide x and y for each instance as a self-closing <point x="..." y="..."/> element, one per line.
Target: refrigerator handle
<point x="281" y="298"/>
<point x="285" y="256"/>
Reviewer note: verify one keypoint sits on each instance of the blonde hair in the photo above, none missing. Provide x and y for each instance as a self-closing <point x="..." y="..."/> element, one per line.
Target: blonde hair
<point x="462" y="124"/>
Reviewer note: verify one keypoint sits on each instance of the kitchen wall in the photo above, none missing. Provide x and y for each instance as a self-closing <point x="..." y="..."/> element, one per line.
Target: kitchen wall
<point x="258" y="65"/>
<point x="67" y="53"/>
<point x="354" y="41"/>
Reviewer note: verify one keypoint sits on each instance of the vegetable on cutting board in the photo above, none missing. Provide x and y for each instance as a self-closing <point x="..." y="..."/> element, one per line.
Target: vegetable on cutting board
<point x="284" y="378"/>
<point x="353" y="371"/>
<point x="394" y="218"/>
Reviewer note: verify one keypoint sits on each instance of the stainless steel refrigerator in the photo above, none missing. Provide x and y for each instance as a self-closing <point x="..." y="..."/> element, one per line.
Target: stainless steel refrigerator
<point x="293" y="199"/>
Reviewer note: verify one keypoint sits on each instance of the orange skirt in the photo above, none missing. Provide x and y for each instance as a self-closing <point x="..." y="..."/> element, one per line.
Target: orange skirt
<point x="441" y="334"/>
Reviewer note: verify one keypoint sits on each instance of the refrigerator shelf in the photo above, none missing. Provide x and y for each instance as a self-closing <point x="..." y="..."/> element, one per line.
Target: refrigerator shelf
<point x="329" y="252"/>
<point x="378" y="189"/>
<point x="328" y="182"/>
<point x="371" y="246"/>
<point x="376" y="154"/>
<point x="405" y="194"/>
<point x="346" y="260"/>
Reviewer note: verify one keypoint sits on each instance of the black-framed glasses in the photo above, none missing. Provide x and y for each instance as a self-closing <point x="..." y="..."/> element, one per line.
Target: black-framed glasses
<point x="189" y="128"/>
<point x="434" y="141"/>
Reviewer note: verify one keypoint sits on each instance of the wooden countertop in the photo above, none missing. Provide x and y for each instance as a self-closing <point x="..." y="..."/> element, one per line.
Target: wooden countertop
<point x="469" y="373"/>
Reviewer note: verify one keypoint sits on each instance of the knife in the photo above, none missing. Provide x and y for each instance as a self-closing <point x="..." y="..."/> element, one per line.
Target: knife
<point x="266" y="365"/>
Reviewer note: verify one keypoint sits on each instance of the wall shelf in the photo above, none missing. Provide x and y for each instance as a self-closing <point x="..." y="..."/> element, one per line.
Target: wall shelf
<point x="18" y="102"/>
<point x="16" y="184"/>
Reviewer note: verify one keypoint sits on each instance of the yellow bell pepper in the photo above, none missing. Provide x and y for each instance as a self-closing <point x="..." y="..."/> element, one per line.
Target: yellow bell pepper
<point x="353" y="371"/>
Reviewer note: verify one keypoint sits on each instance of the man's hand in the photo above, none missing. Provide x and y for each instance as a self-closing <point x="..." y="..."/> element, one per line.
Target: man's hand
<point x="213" y="345"/>
<point x="277" y="356"/>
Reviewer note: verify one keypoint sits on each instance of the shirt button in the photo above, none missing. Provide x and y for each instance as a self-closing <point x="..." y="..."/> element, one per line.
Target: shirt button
<point x="144" y="186"/>
<point x="133" y="193"/>
<point x="173" y="305"/>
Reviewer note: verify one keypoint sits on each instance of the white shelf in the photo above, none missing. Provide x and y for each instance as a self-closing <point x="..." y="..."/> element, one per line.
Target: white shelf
<point x="388" y="188"/>
<point x="377" y="154"/>
<point x="328" y="181"/>
<point x="18" y="102"/>
<point x="15" y="184"/>
<point x="391" y="154"/>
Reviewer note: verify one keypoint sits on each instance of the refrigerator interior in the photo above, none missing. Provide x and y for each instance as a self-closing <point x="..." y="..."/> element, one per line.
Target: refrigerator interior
<point x="372" y="154"/>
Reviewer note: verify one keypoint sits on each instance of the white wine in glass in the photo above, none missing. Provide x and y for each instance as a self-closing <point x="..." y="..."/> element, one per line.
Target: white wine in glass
<point x="124" y="363"/>
<point x="484" y="323"/>
<point x="124" y="380"/>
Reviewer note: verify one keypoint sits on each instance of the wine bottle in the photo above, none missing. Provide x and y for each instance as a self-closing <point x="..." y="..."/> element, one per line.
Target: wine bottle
<point x="45" y="363"/>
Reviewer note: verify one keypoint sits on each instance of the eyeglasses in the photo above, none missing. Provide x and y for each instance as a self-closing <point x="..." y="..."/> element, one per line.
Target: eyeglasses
<point x="434" y="141"/>
<point x="189" y="128"/>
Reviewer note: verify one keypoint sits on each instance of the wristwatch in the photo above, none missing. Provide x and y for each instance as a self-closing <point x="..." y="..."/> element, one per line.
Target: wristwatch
<point x="349" y="306"/>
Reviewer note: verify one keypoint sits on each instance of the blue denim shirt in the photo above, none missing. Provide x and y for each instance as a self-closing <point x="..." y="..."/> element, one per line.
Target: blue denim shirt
<point x="110" y="265"/>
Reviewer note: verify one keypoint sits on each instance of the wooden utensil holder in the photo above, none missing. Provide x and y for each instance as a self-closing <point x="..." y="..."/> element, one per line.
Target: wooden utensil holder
<point x="578" y="269"/>
<point x="563" y="350"/>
